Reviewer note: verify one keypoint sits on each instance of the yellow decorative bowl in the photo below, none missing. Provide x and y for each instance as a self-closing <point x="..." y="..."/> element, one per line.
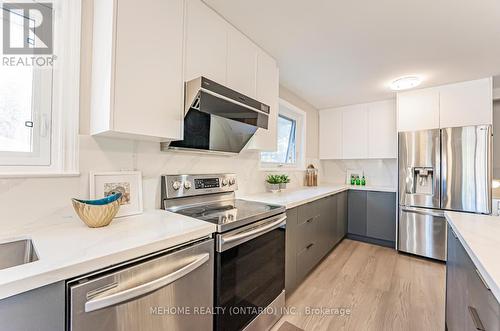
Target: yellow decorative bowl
<point x="97" y="213"/>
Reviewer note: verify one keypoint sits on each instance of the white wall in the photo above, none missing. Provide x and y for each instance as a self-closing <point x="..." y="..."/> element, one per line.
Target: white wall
<point x="26" y="199"/>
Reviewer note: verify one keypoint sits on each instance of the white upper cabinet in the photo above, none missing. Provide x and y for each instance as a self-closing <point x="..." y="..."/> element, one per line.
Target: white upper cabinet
<point x="217" y="50"/>
<point x="453" y="105"/>
<point x="206" y="43"/>
<point x="241" y="63"/>
<point x="137" y="79"/>
<point x="330" y="134"/>
<point x="267" y="92"/>
<point x="467" y="103"/>
<point x="418" y="110"/>
<point x="355" y="132"/>
<point x="359" y="131"/>
<point x="382" y="135"/>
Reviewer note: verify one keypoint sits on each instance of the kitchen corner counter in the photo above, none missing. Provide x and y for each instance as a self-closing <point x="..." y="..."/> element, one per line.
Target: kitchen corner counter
<point x="67" y="248"/>
<point x="480" y="236"/>
<point x="291" y="198"/>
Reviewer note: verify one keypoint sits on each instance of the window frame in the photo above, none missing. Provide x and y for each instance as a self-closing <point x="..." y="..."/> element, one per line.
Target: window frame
<point x="64" y="118"/>
<point x="290" y="111"/>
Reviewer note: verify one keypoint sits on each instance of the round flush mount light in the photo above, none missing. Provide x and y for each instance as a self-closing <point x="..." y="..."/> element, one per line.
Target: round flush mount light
<point x="405" y="83"/>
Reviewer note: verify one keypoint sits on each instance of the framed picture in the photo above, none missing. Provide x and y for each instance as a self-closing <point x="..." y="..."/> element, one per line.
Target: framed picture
<point x="129" y="183"/>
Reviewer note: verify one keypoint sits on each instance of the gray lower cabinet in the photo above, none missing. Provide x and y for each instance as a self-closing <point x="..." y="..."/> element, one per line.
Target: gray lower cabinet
<point x="357" y="212"/>
<point x="42" y="309"/>
<point x="341" y="216"/>
<point x="470" y="305"/>
<point x="381" y="215"/>
<point x="312" y="230"/>
<point x="372" y="217"/>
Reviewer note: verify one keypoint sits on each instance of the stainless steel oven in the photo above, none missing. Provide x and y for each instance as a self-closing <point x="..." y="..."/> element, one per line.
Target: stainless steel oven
<point x="249" y="248"/>
<point x="250" y="270"/>
<point x="160" y="292"/>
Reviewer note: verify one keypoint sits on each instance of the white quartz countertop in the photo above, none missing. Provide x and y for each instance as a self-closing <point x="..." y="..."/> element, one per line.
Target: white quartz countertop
<point x="291" y="198"/>
<point x="66" y="247"/>
<point x="480" y="236"/>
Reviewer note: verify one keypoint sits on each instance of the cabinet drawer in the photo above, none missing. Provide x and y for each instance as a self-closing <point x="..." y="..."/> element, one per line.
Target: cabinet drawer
<point x="308" y="211"/>
<point x="482" y="304"/>
<point x="306" y="260"/>
<point x="307" y="233"/>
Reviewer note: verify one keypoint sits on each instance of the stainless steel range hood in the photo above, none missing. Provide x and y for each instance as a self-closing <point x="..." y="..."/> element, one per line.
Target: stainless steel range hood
<point x="218" y="119"/>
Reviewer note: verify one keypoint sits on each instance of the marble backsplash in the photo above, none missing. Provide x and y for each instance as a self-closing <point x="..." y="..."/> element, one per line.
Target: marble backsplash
<point x="378" y="172"/>
<point x="27" y="199"/>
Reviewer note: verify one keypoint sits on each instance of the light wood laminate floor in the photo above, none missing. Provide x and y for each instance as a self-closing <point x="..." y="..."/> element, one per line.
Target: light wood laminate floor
<point x="384" y="291"/>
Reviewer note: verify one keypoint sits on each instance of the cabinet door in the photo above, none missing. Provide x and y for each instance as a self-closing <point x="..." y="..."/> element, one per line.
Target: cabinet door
<point x="467" y="103"/>
<point x="341" y="215"/>
<point x="418" y="110"/>
<point x="241" y="63"/>
<point x="291" y="251"/>
<point x="456" y="285"/>
<point x="357" y="212"/>
<point x="333" y="225"/>
<point x="355" y="132"/>
<point x="206" y="43"/>
<point x="382" y="133"/>
<point x="381" y="215"/>
<point x="41" y="309"/>
<point x="148" y="82"/>
<point x="268" y="93"/>
<point x="330" y="134"/>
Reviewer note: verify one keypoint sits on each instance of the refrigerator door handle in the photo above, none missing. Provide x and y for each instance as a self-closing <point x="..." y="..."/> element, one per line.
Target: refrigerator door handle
<point x="425" y="212"/>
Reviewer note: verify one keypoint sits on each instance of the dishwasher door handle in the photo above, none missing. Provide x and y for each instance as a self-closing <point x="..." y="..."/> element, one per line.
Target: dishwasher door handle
<point x="134" y="292"/>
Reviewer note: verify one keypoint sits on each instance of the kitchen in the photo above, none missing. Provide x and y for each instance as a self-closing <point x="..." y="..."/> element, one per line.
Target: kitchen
<point x="258" y="96"/>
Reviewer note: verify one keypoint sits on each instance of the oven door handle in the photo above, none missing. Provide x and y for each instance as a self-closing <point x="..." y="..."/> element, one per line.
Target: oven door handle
<point x="252" y="233"/>
<point x="143" y="289"/>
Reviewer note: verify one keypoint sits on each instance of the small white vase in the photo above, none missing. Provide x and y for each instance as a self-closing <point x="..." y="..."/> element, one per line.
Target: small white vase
<point x="273" y="187"/>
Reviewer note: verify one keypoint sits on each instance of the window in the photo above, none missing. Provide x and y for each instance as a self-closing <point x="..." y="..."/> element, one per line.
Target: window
<point x="290" y="139"/>
<point x="39" y="92"/>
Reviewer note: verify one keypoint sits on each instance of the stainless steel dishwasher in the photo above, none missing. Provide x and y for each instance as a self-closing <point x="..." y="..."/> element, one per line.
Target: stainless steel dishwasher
<point x="171" y="290"/>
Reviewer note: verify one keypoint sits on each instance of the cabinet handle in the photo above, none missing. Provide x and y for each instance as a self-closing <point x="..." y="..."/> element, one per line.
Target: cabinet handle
<point x="482" y="280"/>
<point x="309" y="246"/>
<point x="475" y="318"/>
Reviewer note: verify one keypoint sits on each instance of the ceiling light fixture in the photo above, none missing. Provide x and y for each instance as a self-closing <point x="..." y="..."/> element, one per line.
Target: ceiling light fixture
<point x="405" y="83"/>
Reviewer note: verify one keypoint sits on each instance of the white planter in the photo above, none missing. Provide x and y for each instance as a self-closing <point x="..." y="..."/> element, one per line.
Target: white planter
<point x="273" y="187"/>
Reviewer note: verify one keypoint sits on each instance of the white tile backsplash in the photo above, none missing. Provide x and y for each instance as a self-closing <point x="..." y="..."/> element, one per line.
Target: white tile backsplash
<point x="26" y="199"/>
<point x="380" y="172"/>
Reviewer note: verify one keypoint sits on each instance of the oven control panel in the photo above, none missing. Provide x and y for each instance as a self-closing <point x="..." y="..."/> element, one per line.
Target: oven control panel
<point x="203" y="183"/>
<point x="178" y="186"/>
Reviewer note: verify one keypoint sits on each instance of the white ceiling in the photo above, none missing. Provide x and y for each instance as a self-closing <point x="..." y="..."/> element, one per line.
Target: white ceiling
<point x="334" y="52"/>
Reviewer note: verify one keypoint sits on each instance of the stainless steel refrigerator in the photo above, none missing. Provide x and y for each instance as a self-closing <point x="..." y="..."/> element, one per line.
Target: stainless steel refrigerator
<point x="441" y="169"/>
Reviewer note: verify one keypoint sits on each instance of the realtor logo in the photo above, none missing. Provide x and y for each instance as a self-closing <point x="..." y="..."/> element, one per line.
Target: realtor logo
<point x="27" y="28"/>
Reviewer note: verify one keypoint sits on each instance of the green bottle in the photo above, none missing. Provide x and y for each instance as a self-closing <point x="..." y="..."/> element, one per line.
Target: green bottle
<point x="363" y="181"/>
<point x="358" y="181"/>
<point x="353" y="180"/>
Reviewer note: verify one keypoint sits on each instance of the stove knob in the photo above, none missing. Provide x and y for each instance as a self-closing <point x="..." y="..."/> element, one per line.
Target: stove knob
<point x="232" y="181"/>
<point x="176" y="185"/>
<point x="187" y="185"/>
<point x="224" y="182"/>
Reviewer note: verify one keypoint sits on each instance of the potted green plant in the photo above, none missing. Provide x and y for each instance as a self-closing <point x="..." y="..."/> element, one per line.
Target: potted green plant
<point x="273" y="182"/>
<point x="284" y="180"/>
